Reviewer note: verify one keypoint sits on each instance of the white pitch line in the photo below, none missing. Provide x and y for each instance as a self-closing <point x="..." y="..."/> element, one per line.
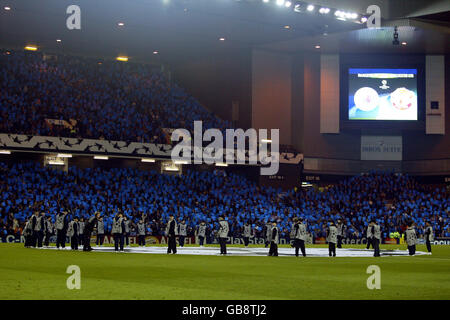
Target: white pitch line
<point x="256" y="252"/>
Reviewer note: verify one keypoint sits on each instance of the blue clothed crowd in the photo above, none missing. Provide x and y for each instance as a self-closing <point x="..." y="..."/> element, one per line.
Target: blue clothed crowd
<point x="393" y="200"/>
<point x="109" y="100"/>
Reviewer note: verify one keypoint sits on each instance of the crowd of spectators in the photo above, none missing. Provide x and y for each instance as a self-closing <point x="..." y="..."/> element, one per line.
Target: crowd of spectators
<point x="108" y="100"/>
<point x="392" y="199"/>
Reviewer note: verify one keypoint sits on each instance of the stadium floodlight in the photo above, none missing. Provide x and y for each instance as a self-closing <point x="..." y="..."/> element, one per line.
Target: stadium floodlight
<point x="171" y="168"/>
<point x="363" y="19"/>
<point x="324" y="10"/>
<point x="64" y="155"/>
<point x="265" y="1"/>
<point x="148" y="160"/>
<point x="31" y="48"/>
<point x="122" y="58"/>
<point x="101" y="158"/>
<point x="7" y="8"/>
<point x="120" y="24"/>
<point x="280" y="2"/>
<point x="287" y="4"/>
<point x="310" y="7"/>
<point x="5" y="152"/>
<point x="56" y="163"/>
<point x="298" y="8"/>
<point x="219" y="164"/>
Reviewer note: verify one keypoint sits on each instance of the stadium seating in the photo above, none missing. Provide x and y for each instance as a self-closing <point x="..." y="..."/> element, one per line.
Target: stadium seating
<point x="84" y="98"/>
<point x="195" y="196"/>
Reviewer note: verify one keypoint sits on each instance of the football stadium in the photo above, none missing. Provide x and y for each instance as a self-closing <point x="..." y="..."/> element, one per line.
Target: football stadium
<point x="235" y="150"/>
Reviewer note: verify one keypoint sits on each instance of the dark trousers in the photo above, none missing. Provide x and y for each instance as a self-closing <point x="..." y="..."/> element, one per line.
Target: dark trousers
<point x="47" y="239"/>
<point x="141" y="240"/>
<point x="376" y="247"/>
<point x="332" y="249"/>
<point x="38" y="237"/>
<point x="118" y="240"/>
<point x="127" y="238"/>
<point x="74" y="242"/>
<point x="246" y="241"/>
<point x="87" y="241"/>
<point x="369" y="243"/>
<point x="100" y="238"/>
<point x="299" y="244"/>
<point x="28" y="241"/>
<point x="181" y="241"/>
<point x="428" y="245"/>
<point x="60" y="238"/>
<point x="339" y="244"/>
<point x="267" y="243"/>
<point x="412" y="250"/>
<point x="201" y="239"/>
<point x="273" y="251"/>
<point x="172" y="245"/>
<point x="223" y="245"/>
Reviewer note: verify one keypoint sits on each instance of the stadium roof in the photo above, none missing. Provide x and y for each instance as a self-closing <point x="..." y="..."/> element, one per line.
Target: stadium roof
<point x="174" y="30"/>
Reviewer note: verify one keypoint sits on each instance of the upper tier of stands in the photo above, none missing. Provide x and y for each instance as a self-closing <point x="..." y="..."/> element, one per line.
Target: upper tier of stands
<point x="110" y="100"/>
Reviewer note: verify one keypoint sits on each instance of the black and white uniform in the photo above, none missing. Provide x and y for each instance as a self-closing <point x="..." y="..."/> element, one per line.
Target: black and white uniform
<point x="141" y="233"/>
<point x="118" y="229"/>
<point x="411" y="238"/>
<point x="73" y="233"/>
<point x="80" y="232"/>
<point x="300" y="238"/>
<point x="28" y="234"/>
<point x="376" y="239"/>
<point x="247" y="234"/>
<point x="182" y="233"/>
<point x="201" y="233"/>
<point x="100" y="232"/>
<point x="273" y="251"/>
<point x="126" y="223"/>
<point x="171" y="233"/>
<point x="429" y="237"/>
<point x="332" y="240"/>
<point x="369" y="236"/>
<point x="39" y="229"/>
<point x="48" y="232"/>
<point x="88" y="229"/>
<point x="268" y="234"/>
<point x="223" y="236"/>
<point x="61" y="229"/>
<point x="340" y="234"/>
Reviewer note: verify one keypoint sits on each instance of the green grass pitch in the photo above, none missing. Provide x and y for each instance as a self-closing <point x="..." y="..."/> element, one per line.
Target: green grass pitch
<point x="41" y="274"/>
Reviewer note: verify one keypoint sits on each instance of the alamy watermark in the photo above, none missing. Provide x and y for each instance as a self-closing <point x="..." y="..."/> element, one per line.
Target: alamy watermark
<point x="73" y="22"/>
<point x="73" y="281"/>
<point x="374" y="20"/>
<point x="235" y="151"/>
<point x="374" y="281"/>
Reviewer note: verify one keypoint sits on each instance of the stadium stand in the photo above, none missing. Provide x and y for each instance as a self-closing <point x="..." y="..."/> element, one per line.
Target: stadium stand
<point x="59" y="95"/>
<point x="392" y="199"/>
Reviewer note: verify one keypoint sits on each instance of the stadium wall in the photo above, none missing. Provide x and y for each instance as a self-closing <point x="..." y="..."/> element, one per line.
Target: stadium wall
<point x="341" y="153"/>
<point x="218" y="80"/>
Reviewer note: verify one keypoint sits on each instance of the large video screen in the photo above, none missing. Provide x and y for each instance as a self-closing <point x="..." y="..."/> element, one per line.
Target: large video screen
<point x="382" y="94"/>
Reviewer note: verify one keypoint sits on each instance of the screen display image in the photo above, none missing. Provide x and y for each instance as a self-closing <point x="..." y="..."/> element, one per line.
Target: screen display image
<point x="382" y="94"/>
